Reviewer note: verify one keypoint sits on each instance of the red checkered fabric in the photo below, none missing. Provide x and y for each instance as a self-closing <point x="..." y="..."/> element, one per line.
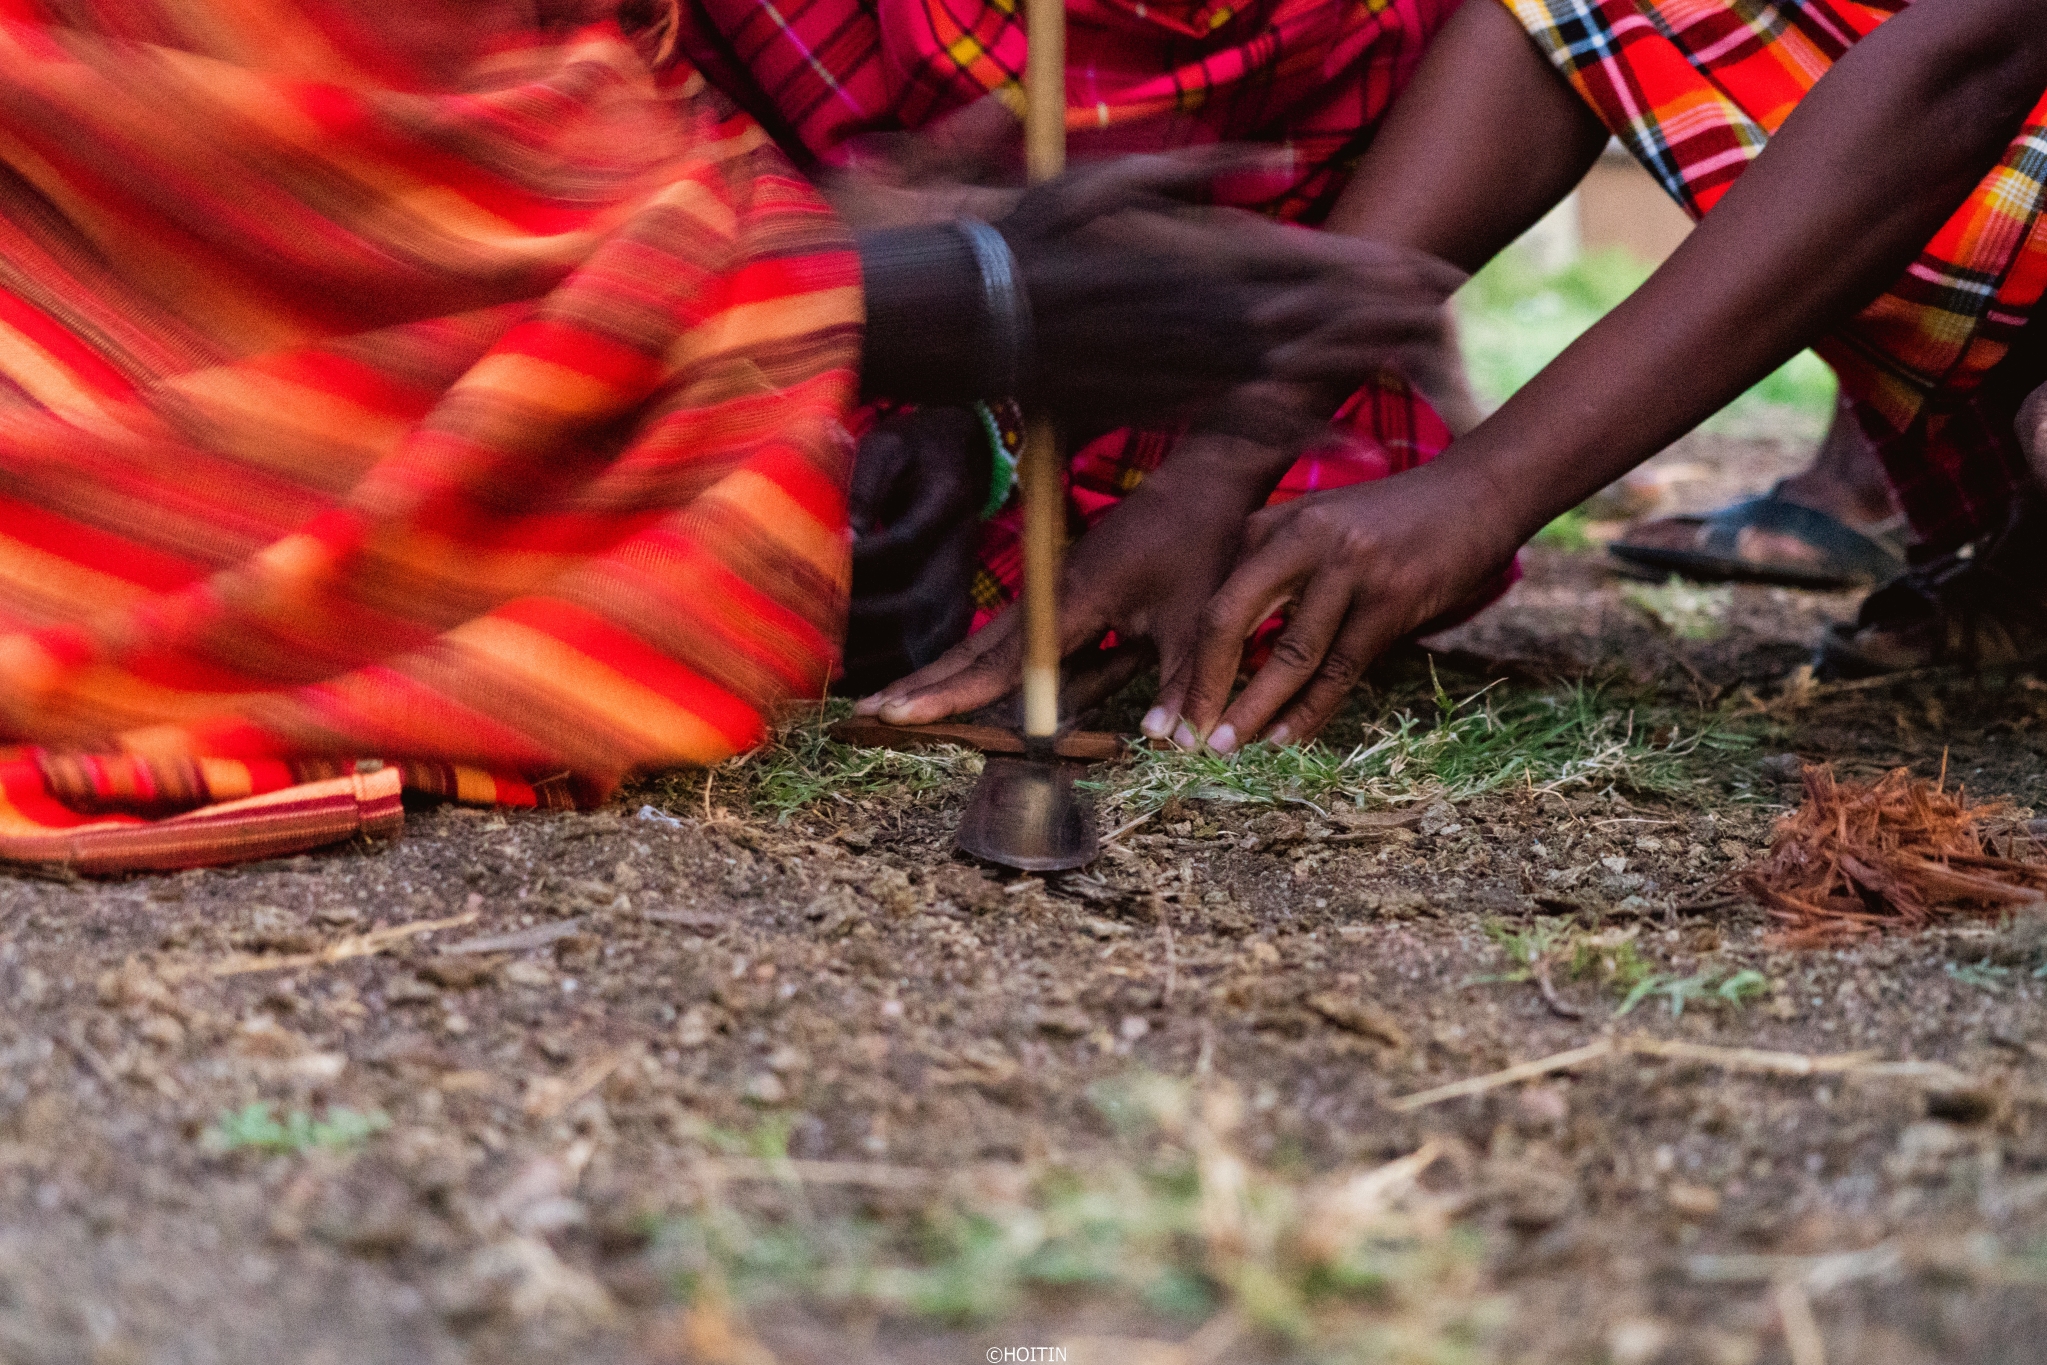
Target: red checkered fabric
<point x="1310" y="75"/>
<point x="1695" y="88"/>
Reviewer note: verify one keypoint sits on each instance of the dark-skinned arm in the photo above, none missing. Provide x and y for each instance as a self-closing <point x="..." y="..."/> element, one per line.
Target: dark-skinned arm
<point x="1881" y="152"/>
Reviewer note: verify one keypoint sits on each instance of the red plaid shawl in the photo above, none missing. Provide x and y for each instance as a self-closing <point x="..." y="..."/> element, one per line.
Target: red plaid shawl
<point x="437" y="389"/>
<point x="1696" y="87"/>
<point x="1311" y="75"/>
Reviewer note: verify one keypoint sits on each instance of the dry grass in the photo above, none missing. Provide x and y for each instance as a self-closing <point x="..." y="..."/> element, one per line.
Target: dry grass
<point x="1174" y="1225"/>
<point x="1901" y="854"/>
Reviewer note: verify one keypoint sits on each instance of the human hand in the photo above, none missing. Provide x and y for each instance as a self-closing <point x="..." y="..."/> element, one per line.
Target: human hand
<point x="960" y="166"/>
<point x="1214" y="295"/>
<point x="1143" y="309"/>
<point x="1145" y="571"/>
<point x="920" y="481"/>
<point x="1374" y="307"/>
<point x="1357" y="569"/>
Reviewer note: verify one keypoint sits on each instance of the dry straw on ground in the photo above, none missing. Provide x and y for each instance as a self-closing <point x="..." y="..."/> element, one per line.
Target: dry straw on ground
<point x="1902" y="853"/>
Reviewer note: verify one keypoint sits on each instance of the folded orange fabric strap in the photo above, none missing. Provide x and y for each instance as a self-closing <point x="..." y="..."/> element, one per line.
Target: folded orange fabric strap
<point x="436" y="389"/>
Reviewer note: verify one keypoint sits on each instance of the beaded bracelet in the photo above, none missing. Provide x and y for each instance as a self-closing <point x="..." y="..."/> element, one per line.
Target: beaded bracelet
<point x="1003" y="422"/>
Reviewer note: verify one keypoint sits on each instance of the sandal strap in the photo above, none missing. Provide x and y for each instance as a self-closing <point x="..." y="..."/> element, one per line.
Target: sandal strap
<point x="1854" y="552"/>
<point x="1994" y="577"/>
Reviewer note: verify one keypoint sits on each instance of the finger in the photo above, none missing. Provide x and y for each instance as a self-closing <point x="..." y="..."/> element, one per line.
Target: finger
<point x="1304" y="309"/>
<point x="1226" y="622"/>
<point x="977" y="681"/>
<point x="1261" y="528"/>
<point x="1364" y="637"/>
<point x="1171" y="703"/>
<point x="961" y="656"/>
<point x="1296" y="654"/>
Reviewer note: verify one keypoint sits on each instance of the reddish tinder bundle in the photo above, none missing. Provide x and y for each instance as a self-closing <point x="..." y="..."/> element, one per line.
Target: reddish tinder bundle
<point x="1902" y="853"/>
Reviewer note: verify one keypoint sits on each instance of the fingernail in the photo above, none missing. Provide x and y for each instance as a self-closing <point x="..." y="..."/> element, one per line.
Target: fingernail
<point x="1186" y="738"/>
<point x="1224" y="740"/>
<point x="1278" y="735"/>
<point x="1156" y="722"/>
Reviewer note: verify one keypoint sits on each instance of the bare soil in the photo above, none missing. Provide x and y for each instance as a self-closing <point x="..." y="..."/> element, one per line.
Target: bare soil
<point x="692" y="968"/>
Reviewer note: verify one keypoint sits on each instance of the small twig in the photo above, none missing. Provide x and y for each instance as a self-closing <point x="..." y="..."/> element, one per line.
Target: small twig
<point x="551" y="1103"/>
<point x="1819" y="1274"/>
<point x="1113" y="835"/>
<point x="1166" y="932"/>
<point x="1752" y="1059"/>
<point x="358" y="945"/>
<point x="1801" y="1331"/>
<point x="869" y="1174"/>
<point x="1557" y="1005"/>
<point x="1712" y="895"/>
<point x="99" y="1065"/>
<point x="1525" y="1071"/>
<point x="523" y="940"/>
<point x="1726" y="1058"/>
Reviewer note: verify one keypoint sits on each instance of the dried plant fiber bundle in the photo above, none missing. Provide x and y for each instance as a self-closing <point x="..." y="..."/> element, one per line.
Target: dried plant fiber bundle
<point x="1902" y="853"/>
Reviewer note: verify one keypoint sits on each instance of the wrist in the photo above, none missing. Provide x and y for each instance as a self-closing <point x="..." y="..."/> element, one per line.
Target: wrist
<point x="1225" y="470"/>
<point x="947" y="317"/>
<point x="1506" y="499"/>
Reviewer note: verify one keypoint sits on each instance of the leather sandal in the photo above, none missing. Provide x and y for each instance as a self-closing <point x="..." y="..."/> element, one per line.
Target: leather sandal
<point x="1848" y="557"/>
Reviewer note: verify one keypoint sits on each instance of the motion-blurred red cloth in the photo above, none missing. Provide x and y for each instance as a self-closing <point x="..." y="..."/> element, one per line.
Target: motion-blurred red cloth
<point x="438" y="383"/>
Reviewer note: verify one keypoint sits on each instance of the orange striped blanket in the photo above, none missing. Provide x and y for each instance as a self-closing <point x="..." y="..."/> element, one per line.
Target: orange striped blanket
<point x="394" y="394"/>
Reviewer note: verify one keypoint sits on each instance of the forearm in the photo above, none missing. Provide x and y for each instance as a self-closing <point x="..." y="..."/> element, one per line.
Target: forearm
<point x="1861" y="176"/>
<point x="941" y="325"/>
<point x="1484" y="141"/>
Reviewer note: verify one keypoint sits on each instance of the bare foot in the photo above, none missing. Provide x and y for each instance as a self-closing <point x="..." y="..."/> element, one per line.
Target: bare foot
<point x="1845" y="480"/>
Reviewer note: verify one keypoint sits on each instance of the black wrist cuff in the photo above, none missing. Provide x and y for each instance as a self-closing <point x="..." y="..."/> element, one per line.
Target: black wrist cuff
<point x="947" y="317"/>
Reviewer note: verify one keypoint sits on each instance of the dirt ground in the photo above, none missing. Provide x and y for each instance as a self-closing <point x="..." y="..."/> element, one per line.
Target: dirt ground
<point x="677" y="1004"/>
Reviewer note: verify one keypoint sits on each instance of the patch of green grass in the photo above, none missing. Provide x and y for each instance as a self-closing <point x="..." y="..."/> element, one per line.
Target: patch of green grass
<point x="1171" y="1220"/>
<point x="1615" y="961"/>
<point x="1689" y="611"/>
<point x="257" y="1128"/>
<point x="1419" y="746"/>
<point x="769" y="1140"/>
<point x="1713" y="988"/>
<point x="1515" y="319"/>
<point x="1525" y="949"/>
<point x="803" y="770"/>
<point x="1985" y="975"/>
<point x="1568" y="532"/>
<point x="1492" y="740"/>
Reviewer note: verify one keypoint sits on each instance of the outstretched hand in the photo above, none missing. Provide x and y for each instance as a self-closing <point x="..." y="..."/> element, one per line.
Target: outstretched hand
<point x="1145" y="571"/>
<point x="1330" y="311"/>
<point x="1355" y="569"/>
